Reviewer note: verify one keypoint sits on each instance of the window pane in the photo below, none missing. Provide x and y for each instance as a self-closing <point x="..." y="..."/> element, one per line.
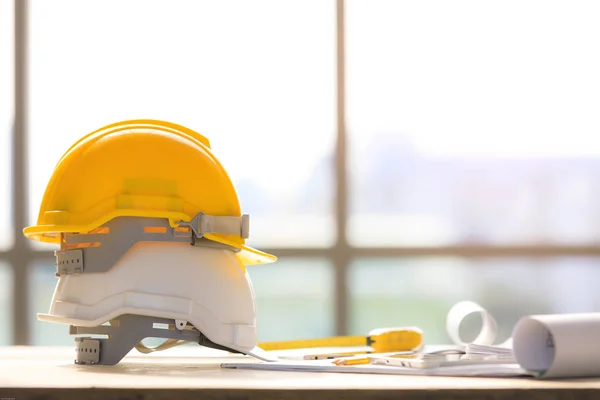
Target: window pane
<point x="6" y="118"/>
<point x="6" y="305"/>
<point x="41" y="289"/>
<point x="420" y="292"/>
<point x="294" y="299"/>
<point x="473" y="121"/>
<point x="257" y="78"/>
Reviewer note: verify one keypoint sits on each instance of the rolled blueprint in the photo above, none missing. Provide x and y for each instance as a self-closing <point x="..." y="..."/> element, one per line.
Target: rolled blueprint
<point x="558" y="346"/>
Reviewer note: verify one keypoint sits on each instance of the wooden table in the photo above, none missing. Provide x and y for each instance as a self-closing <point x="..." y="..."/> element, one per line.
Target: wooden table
<point x="49" y="373"/>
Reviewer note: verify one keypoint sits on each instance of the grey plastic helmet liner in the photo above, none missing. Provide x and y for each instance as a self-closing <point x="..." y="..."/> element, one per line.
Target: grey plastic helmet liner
<point x="124" y="232"/>
<point x="124" y="333"/>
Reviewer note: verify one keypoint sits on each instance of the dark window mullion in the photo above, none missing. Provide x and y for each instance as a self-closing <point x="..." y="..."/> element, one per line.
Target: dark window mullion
<point x="341" y="252"/>
<point x="21" y="253"/>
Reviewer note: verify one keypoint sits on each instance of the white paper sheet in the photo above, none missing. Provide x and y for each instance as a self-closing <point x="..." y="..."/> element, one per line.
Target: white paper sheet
<point x="491" y="370"/>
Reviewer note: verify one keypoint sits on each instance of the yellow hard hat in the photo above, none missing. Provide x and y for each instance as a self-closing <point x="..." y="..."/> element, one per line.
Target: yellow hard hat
<point x="144" y="168"/>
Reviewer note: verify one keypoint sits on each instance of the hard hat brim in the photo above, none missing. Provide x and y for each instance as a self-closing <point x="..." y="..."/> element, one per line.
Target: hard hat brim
<point x="247" y="255"/>
<point x="251" y="256"/>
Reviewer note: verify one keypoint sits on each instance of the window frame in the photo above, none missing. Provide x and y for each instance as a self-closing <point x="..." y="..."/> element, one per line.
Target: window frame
<point x="21" y="256"/>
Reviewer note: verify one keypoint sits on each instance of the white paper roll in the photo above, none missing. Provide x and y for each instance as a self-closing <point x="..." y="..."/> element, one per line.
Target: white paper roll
<point x="562" y="346"/>
<point x="458" y="314"/>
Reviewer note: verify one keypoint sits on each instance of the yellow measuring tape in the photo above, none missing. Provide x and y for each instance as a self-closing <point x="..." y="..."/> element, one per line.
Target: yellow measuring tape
<point x="380" y="340"/>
